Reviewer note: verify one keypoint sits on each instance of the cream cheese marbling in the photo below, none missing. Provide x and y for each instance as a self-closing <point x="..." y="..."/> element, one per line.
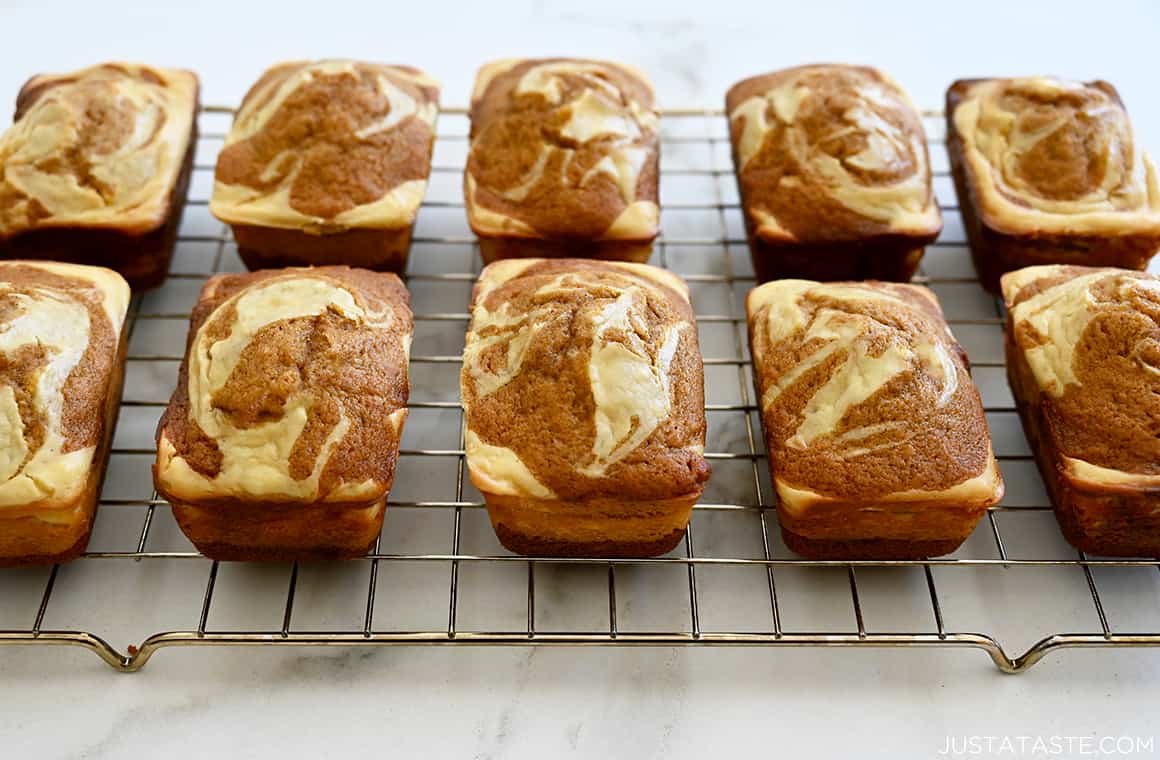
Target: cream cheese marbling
<point x="255" y="458"/>
<point x="126" y="185"/>
<point x="1125" y="197"/>
<point x="601" y="111"/>
<point x="630" y="380"/>
<point x="263" y="206"/>
<point x="902" y="205"/>
<point x="59" y="321"/>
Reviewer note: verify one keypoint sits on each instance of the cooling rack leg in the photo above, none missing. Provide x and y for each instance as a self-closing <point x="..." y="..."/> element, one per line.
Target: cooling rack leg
<point x="857" y="602"/>
<point x="934" y="604"/>
<point x="43" y="608"/>
<point x="612" y="631"/>
<point x="369" y="617"/>
<point x="1095" y="593"/>
<point x="290" y="591"/>
<point x="207" y="600"/>
<point x="531" y="600"/>
<point x="694" y="613"/>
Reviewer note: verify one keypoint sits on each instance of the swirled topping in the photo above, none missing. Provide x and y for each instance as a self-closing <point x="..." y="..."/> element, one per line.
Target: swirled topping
<point x="1091" y="338"/>
<point x="866" y="394"/>
<point x="563" y="148"/>
<point x="1049" y="155"/>
<point x="100" y="147"/>
<point x="60" y="326"/>
<point x="294" y="388"/>
<point x="328" y="146"/>
<point x="583" y="378"/>
<point x="830" y="152"/>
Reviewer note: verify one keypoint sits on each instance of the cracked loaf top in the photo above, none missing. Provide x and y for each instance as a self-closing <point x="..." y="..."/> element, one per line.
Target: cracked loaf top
<point x="102" y="147"/>
<point x="1090" y="337"/>
<point x="866" y="396"/>
<point x="583" y="379"/>
<point x="293" y="389"/>
<point x="1051" y="156"/>
<point x="60" y="332"/>
<point x="563" y="148"/>
<point x="830" y="153"/>
<point x="327" y="146"/>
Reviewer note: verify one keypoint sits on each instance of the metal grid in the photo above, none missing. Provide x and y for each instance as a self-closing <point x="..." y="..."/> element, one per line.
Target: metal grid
<point x="725" y="349"/>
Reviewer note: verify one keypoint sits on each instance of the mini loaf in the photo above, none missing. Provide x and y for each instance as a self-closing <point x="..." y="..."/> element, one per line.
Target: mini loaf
<point x="281" y="438"/>
<point x="1083" y="360"/>
<point x="1047" y="172"/>
<point x="62" y="357"/>
<point x="563" y="160"/>
<point x="877" y="440"/>
<point x="327" y="163"/>
<point x="96" y="167"/>
<point x="583" y="392"/>
<point x="833" y="173"/>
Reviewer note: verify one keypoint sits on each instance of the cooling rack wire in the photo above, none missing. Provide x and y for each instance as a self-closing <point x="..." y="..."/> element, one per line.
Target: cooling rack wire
<point x="731" y="583"/>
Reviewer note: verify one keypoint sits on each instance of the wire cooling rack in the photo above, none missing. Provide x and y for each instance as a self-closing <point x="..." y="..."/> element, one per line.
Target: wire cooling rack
<point x="437" y="575"/>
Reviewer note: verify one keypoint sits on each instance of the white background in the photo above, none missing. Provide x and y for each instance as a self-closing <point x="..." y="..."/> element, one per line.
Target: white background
<point x="592" y="702"/>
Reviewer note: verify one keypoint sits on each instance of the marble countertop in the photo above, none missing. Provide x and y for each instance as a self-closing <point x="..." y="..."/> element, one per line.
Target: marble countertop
<point x="601" y="702"/>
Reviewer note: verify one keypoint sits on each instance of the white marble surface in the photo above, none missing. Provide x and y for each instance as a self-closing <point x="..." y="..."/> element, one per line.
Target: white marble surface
<point x="525" y="702"/>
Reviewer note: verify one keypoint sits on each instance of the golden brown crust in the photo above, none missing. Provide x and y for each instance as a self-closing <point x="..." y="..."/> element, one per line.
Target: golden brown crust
<point x="273" y="248"/>
<point x="279" y="532"/>
<point x="874" y="429"/>
<point x="603" y="527"/>
<point x="1047" y="172"/>
<point x="316" y="358"/>
<point x="493" y="249"/>
<point x="883" y="548"/>
<point x="889" y="258"/>
<point x="831" y="154"/>
<point x="563" y="149"/>
<point x="583" y="393"/>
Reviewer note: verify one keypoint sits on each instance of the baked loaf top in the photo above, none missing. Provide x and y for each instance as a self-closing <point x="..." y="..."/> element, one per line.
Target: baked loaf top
<point x="583" y="379"/>
<point x="293" y="389"/>
<point x="60" y="331"/>
<point x="563" y="148"/>
<point x="1046" y="155"/>
<point x="866" y="396"/>
<point x="1091" y="338"/>
<point x="101" y="147"/>
<point x="327" y="146"/>
<point x="830" y="153"/>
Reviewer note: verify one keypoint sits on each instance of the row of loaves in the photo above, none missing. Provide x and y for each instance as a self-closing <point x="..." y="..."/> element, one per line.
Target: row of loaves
<point x="582" y="380"/>
<point x="327" y="163"/>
